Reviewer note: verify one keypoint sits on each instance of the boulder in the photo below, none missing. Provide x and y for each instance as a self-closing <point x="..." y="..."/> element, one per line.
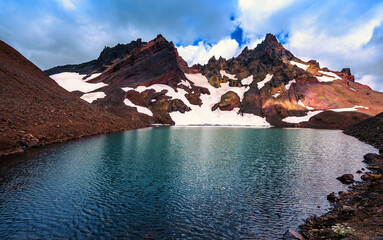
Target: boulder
<point x="375" y="177"/>
<point x="348" y="209"/>
<point x="369" y="157"/>
<point x="346" y="178"/>
<point x="331" y="197"/>
<point x="229" y="101"/>
<point x="292" y="235"/>
<point x="34" y="143"/>
<point x="365" y="177"/>
<point x="346" y="71"/>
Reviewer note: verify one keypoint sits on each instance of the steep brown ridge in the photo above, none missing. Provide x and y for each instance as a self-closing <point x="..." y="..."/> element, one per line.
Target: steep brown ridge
<point x="155" y="62"/>
<point x="35" y="110"/>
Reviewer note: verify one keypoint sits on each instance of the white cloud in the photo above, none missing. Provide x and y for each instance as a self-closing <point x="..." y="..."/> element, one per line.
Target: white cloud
<point x="201" y="53"/>
<point x="254" y="14"/>
<point x="254" y="42"/>
<point x="372" y="81"/>
<point x="67" y="4"/>
<point x="350" y="47"/>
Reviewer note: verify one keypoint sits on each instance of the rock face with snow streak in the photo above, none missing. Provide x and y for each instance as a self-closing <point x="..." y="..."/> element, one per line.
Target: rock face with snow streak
<point x="261" y="87"/>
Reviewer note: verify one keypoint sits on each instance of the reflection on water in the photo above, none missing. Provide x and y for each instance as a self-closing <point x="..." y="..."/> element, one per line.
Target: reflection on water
<point x="174" y="182"/>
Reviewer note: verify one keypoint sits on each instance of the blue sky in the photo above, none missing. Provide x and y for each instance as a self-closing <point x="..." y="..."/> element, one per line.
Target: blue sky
<point x="337" y="33"/>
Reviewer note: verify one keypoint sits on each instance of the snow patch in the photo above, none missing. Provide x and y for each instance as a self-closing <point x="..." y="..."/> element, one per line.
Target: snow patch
<point x="300" y="65"/>
<point x="352" y="89"/>
<point x="185" y="83"/>
<point x="277" y="94"/>
<point x="140" y="109"/>
<point x="267" y="79"/>
<point x="230" y="76"/>
<point x="248" y="80"/>
<point x="203" y="115"/>
<point x="289" y="84"/>
<point x="74" y="82"/>
<point x="329" y="78"/>
<point x="354" y="108"/>
<point x="90" y="97"/>
<point x="303" y="105"/>
<point x="302" y="118"/>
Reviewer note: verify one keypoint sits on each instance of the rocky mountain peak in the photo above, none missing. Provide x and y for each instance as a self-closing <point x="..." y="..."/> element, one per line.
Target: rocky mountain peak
<point x="270" y="38"/>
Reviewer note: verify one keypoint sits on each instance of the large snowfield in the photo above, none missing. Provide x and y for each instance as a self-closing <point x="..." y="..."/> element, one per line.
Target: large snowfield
<point x="203" y="115"/>
<point x="199" y="115"/>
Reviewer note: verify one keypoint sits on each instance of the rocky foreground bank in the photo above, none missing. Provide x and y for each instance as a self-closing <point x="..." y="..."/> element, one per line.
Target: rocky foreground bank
<point x="35" y="110"/>
<point x="358" y="213"/>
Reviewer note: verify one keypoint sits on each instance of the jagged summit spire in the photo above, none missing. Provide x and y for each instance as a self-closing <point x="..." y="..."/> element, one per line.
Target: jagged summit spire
<point x="270" y="38"/>
<point x="270" y="46"/>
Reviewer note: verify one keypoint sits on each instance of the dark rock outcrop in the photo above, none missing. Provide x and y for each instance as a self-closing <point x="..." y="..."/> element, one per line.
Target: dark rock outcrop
<point x="369" y="157"/>
<point x="106" y="58"/>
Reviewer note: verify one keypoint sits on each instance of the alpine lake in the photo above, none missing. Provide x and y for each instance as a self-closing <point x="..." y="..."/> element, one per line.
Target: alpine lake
<point x="175" y="183"/>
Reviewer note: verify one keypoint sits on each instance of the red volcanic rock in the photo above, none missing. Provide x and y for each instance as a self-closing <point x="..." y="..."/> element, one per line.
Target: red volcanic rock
<point x="292" y="90"/>
<point x="333" y="120"/>
<point x="229" y="101"/>
<point x="155" y="62"/>
<point x="346" y="75"/>
<point x="196" y="68"/>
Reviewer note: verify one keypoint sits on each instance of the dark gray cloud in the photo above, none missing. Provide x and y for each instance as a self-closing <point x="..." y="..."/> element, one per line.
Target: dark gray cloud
<point x="52" y="33"/>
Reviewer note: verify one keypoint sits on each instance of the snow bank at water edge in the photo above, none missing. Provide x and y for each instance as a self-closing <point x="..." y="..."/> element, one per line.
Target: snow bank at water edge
<point x="311" y="114"/>
<point x="74" y="82"/>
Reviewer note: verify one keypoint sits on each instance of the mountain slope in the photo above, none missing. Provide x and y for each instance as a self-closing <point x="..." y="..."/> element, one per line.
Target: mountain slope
<point x="261" y="87"/>
<point x="35" y="110"/>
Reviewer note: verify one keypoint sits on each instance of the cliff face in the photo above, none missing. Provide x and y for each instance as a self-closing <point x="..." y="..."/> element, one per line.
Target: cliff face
<point x="35" y="110"/>
<point x="264" y="86"/>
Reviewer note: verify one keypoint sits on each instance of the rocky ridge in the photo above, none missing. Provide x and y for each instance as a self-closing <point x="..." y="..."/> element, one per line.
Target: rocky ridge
<point x="264" y="86"/>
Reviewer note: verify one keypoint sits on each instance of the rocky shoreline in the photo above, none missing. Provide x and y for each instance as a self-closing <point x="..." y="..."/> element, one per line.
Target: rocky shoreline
<point x="358" y="213"/>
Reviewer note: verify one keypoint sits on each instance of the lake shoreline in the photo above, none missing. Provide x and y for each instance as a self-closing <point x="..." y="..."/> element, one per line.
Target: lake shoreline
<point x="357" y="213"/>
<point x="61" y="140"/>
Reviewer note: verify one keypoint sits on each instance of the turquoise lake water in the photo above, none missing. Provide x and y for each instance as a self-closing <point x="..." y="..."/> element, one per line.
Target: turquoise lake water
<point x="175" y="183"/>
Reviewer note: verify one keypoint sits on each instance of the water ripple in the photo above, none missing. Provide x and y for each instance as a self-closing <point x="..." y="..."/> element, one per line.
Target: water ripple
<point x="175" y="183"/>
